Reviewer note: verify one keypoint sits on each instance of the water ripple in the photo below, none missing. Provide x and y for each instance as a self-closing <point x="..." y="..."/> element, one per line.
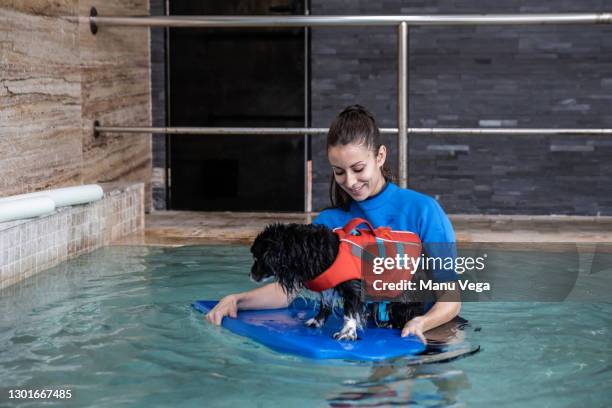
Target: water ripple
<point x="117" y="328"/>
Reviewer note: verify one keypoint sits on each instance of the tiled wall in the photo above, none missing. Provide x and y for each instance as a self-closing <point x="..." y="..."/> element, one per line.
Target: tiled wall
<point x="30" y="246"/>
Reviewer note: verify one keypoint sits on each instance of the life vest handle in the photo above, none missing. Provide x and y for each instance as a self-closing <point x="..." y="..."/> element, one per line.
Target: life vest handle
<point x="355" y="222"/>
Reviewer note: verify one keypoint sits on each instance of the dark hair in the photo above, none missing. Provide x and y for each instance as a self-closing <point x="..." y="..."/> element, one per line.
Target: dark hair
<point x="355" y="124"/>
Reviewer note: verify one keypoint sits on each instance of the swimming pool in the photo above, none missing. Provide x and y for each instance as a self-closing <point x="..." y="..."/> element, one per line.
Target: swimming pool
<point x="117" y="329"/>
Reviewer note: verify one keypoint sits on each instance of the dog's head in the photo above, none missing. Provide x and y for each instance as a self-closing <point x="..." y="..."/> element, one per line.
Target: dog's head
<point x="292" y="254"/>
<point x="267" y="250"/>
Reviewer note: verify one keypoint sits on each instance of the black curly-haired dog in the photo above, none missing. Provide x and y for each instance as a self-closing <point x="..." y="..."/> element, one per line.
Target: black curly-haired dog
<point x="294" y="254"/>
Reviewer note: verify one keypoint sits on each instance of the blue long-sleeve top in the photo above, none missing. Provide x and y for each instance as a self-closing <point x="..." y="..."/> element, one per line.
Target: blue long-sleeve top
<point x="404" y="210"/>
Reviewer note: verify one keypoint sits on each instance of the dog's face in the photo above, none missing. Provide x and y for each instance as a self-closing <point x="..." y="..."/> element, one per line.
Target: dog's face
<point x="293" y="254"/>
<point x="265" y="251"/>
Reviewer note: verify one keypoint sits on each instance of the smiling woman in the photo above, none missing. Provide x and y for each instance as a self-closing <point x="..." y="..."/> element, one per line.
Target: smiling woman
<point x="362" y="187"/>
<point x="357" y="157"/>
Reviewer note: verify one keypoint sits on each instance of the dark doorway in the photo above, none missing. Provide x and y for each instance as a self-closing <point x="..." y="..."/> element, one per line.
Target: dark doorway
<point x="236" y="78"/>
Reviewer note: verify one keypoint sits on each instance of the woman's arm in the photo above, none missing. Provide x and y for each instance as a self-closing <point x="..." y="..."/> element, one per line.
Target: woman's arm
<point x="445" y="309"/>
<point x="270" y="296"/>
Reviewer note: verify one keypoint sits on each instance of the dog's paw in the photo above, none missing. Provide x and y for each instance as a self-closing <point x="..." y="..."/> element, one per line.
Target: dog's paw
<point x="314" y="323"/>
<point x="350" y="334"/>
<point x="349" y="329"/>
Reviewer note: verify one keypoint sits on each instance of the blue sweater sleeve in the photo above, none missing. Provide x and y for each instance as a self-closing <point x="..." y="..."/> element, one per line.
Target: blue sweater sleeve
<point x="435" y="225"/>
<point x="324" y="218"/>
<point x="439" y="240"/>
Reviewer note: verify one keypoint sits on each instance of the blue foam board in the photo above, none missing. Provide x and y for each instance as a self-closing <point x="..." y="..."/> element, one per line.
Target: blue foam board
<point x="283" y="330"/>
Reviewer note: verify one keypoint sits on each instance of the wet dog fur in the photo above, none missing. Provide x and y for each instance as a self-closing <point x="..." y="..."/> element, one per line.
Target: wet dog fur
<point x="294" y="254"/>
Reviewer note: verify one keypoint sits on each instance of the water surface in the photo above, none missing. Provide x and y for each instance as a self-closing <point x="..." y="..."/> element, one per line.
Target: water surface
<point x="116" y="328"/>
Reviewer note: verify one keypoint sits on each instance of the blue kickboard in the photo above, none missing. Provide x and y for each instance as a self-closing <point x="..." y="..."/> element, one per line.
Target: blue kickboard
<point x="283" y="330"/>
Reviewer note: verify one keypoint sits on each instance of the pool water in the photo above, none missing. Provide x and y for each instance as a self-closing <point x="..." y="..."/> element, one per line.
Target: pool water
<point x="117" y="329"/>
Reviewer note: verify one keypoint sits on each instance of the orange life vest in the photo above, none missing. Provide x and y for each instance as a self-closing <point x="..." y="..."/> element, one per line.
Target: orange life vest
<point x="356" y="246"/>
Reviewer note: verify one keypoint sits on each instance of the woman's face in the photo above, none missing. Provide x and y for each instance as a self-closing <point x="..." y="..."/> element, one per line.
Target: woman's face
<point x="357" y="169"/>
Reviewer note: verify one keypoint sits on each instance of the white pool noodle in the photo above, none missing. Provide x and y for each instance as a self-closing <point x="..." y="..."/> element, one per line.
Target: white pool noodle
<point x="65" y="196"/>
<point x="25" y="208"/>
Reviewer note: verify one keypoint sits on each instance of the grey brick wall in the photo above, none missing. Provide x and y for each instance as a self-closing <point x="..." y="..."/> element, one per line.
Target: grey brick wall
<point x="536" y="76"/>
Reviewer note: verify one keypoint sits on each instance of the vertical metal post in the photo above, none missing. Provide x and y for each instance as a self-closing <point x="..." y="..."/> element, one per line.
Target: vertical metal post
<point x="402" y="103"/>
<point x="307" y="138"/>
<point x="168" y="112"/>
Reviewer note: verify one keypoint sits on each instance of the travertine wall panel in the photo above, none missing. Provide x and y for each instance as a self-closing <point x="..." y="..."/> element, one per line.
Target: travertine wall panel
<point x="116" y="91"/>
<point x="40" y="100"/>
<point x="43" y="7"/>
<point x="56" y="78"/>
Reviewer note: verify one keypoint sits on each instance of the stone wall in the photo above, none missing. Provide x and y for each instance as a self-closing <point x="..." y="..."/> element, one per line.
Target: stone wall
<point x="40" y="97"/>
<point x="56" y="78"/>
<point x="490" y="76"/>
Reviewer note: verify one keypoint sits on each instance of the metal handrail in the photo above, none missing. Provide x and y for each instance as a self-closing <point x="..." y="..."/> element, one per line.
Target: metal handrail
<point x="322" y="131"/>
<point x="402" y="22"/>
<point x="352" y="21"/>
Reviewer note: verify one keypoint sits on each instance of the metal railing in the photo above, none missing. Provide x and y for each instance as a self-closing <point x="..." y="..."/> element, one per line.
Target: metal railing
<point x="321" y="131"/>
<point x="351" y="21"/>
<point x="402" y="22"/>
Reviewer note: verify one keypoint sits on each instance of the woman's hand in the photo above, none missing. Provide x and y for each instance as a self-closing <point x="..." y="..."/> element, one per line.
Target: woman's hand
<point x="228" y="306"/>
<point x="444" y="310"/>
<point x="270" y="296"/>
<point x="415" y="326"/>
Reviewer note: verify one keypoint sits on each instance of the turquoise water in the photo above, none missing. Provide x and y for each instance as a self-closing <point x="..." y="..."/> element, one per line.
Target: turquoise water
<point x="116" y="328"/>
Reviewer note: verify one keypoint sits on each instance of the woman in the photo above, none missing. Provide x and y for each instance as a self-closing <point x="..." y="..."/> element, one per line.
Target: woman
<point x="361" y="187"/>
